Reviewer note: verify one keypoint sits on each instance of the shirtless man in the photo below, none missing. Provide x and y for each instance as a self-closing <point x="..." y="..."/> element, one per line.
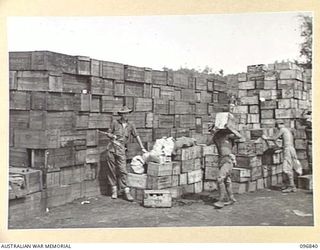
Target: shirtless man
<point x="224" y="140"/>
<point x="289" y="154"/>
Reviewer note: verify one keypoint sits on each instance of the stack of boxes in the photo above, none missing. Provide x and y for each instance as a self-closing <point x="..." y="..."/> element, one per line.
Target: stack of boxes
<point x="57" y="103"/>
<point x="183" y="174"/>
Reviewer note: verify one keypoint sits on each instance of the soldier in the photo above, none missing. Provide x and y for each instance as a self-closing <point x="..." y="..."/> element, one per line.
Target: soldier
<point x="120" y="134"/>
<point x="290" y="161"/>
<point x="224" y="140"/>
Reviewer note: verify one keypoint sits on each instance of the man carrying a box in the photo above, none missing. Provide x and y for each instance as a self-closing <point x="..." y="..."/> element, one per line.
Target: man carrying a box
<point x="290" y="160"/>
<point x="120" y="134"/>
<point x="224" y="139"/>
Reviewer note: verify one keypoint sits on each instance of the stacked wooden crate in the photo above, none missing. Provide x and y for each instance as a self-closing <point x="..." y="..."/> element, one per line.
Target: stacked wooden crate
<point x="57" y="103"/>
<point x="280" y="91"/>
<point x="182" y="175"/>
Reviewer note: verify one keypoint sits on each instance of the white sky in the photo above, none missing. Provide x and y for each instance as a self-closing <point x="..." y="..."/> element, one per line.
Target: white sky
<point x="226" y="41"/>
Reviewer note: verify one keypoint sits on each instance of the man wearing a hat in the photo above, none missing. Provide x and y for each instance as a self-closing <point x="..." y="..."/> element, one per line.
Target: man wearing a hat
<point x="121" y="133"/>
<point x="290" y="160"/>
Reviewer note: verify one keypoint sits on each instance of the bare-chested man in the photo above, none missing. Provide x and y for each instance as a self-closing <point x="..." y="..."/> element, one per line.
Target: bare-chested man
<point x="289" y="154"/>
<point x="224" y="140"/>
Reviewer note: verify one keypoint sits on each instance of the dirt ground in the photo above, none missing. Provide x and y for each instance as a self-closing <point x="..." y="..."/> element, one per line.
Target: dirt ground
<point x="262" y="208"/>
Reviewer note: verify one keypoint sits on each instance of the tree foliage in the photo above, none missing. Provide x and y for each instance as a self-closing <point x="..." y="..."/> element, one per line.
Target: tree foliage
<point x="306" y="45"/>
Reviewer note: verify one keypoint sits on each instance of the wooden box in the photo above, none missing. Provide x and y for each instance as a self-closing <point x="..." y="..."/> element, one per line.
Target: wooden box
<point x="111" y="104"/>
<point x="246" y="85"/>
<point x="305" y="182"/>
<point x="33" y="80"/>
<point x="112" y="70"/>
<point x="211" y="173"/>
<point x="194" y="176"/>
<point x="160" y="182"/>
<point x="157" y="198"/>
<point x="75" y="83"/>
<point x="156" y="169"/>
<point x="241" y="174"/>
<point x="19" y="100"/>
<point x="137" y="180"/>
<point x="134" y="74"/>
<point x="224" y="120"/>
<point x="159" y="77"/>
<point x="143" y="104"/>
<point x="28" y="138"/>
<point x="100" y="86"/>
<point x="32" y="177"/>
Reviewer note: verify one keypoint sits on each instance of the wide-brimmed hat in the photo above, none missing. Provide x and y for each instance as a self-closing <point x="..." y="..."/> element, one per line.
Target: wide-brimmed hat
<point x="124" y="110"/>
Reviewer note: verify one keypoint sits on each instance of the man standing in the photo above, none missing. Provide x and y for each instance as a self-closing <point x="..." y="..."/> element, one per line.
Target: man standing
<point x="224" y="140"/>
<point x="289" y="154"/>
<point x="120" y="134"/>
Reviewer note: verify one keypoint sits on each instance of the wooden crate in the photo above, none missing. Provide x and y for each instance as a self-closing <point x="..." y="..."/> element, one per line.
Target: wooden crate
<point x="180" y="80"/>
<point x="246" y="85"/>
<point x="156" y="169"/>
<point x="137" y="180"/>
<point x="111" y="104"/>
<point x="254" y="109"/>
<point x="209" y="150"/>
<point x="160" y="106"/>
<point x="112" y="70"/>
<point x="211" y="161"/>
<point x="143" y="104"/>
<point x="62" y="102"/>
<point x="159" y="77"/>
<point x="95" y="104"/>
<point x="19" y="100"/>
<point x="38" y="101"/>
<point x="166" y="121"/>
<point x="161" y="132"/>
<point x="28" y="138"/>
<point x="269" y="104"/>
<point x="181" y="108"/>
<point x="201" y="108"/>
<point x="248" y="161"/>
<point x="240" y="188"/>
<point x="241" y="174"/>
<point x="187" y="165"/>
<point x="100" y="86"/>
<point x="202" y="82"/>
<point x="224" y="120"/>
<point x="33" y="81"/>
<point x="176" y="167"/>
<point x="19" y="157"/>
<point x="134" y="74"/>
<point x="270" y="84"/>
<point x="167" y="92"/>
<point x="287" y="103"/>
<point x="60" y="120"/>
<point x="206" y="97"/>
<point x="20" y="60"/>
<point x="32" y="177"/>
<point x="83" y="65"/>
<point x="256" y="173"/>
<point x="195" y="176"/>
<point x="267" y="114"/>
<point x="75" y="83"/>
<point x="187" y="121"/>
<point x="157" y="198"/>
<point x="291" y="74"/>
<point x="284" y="113"/>
<point x="95" y="69"/>
<point x="133" y="89"/>
<point x="188" y="95"/>
<point x="249" y="100"/>
<point x="160" y="182"/>
<point x="211" y="173"/>
<point x="305" y="182"/>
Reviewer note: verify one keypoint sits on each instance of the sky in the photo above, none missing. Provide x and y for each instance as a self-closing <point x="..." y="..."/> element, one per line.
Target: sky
<point x="221" y="41"/>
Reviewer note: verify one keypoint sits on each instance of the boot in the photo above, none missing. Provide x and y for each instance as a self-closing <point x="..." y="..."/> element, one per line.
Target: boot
<point x="222" y="190"/>
<point x="114" y="194"/>
<point x="127" y="195"/>
<point x="230" y="194"/>
<point x="292" y="188"/>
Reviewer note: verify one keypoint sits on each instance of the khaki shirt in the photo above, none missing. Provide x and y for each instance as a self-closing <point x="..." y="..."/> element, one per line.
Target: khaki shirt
<point x="123" y="133"/>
